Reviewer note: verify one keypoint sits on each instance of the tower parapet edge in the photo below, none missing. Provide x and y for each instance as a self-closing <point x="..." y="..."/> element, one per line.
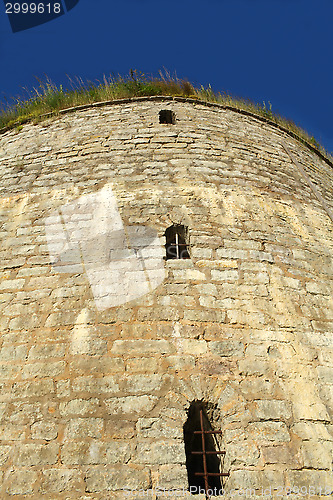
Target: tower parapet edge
<point x="107" y="344"/>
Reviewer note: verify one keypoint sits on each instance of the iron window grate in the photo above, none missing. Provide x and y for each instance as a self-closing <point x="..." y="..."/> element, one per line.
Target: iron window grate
<point x="205" y="474"/>
<point x="177" y="246"/>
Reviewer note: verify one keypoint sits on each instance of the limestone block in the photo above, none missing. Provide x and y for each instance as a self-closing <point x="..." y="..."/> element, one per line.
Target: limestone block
<point x="272" y="410"/>
<point x="204" y="315"/>
<point x="36" y="454"/>
<point x="130" y="404"/>
<point x="180" y="362"/>
<point x="172" y="477"/>
<point x="11" y="432"/>
<point x="206" y="289"/>
<point x="63" y="388"/>
<point x="259" y="433"/>
<point x="79" y="406"/>
<point x="156" y="428"/>
<point x="320" y="481"/>
<point x="227" y="348"/>
<point x="55" y="481"/>
<point x="241" y="480"/>
<point x="161" y="452"/>
<point x="101" y="479"/>
<point x="281" y="454"/>
<point x="82" y="453"/>
<point x="4" y="454"/>
<point x="261" y="256"/>
<point x="231" y="253"/>
<point x="315" y="411"/>
<point x="260" y="278"/>
<point x="24" y="322"/>
<point x="25" y="413"/>
<point x="21" y="482"/>
<point x="312" y="430"/>
<point x="201" y="253"/>
<point x="208" y="301"/>
<point x="229" y="275"/>
<point x="101" y="365"/>
<point x="47" y="351"/>
<point x="194" y="347"/>
<point x="137" y="384"/>
<point x="44" y="430"/>
<point x="253" y="319"/>
<point x="85" y="343"/>
<point x="252" y="366"/>
<point x="8" y="372"/>
<point x="40" y="369"/>
<point x="325" y="374"/>
<point x="262" y="432"/>
<point x="116" y="452"/>
<point x="84" y="427"/>
<point x="141" y="347"/>
<point x="317" y="454"/>
<point x="94" y="385"/>
<point x="149" y="365"/>
<point x="242" y="454"/>
<point x="242" y="244"/>
<point x="119" y="428"/>
<point x="12" y="284"/>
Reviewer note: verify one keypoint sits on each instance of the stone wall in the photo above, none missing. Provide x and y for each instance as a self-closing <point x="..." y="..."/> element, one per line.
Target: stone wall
<point x="94" y="401"/>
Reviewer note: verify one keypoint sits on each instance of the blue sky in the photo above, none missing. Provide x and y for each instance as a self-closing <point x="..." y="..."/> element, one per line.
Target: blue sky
<point x="267" y="50"/>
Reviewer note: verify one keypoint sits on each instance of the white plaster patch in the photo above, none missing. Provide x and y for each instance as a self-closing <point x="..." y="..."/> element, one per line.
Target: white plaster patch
<point x="121" y="263"/>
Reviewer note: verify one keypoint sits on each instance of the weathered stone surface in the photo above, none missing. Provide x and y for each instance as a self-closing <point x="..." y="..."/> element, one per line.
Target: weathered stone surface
<point x="317" y="454"/>
<point x="4" y="454"/>
<point x="79" y="407"/>
<point x="21" y="482"/>
<point x="130" y="404"/>
<point x="161" y="452"/>
<point x="44" y="430"/>
<point x="100" y="479"/>
<point x="172" y="477"/>
<point x="90" y="384"/>
<point x="156" y="428"/>
<point x="36" y="454"/>
<point x="227" y="348"/>
<point x="56" y="481"/>
<point x="141" y="347"/>
<point x="272" y="410"/>
<point x="93" y="401"/>
<point x="268" y="431"/>
<point x="84" y="427"/>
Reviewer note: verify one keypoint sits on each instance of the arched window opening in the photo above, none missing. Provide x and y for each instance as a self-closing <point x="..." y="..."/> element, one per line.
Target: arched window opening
<point x="202" y="454"/>
<point x="177" y="246"/>
<point x="167" y="116"/>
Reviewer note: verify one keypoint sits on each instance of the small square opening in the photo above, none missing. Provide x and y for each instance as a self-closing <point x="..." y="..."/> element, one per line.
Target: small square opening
<point x="167" y="116"/>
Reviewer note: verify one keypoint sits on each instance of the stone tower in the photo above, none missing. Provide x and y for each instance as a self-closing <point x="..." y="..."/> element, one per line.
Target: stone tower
<point x="164" y="260"/>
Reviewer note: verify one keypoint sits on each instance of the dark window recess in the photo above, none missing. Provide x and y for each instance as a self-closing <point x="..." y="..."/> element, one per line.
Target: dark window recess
<point x="202" y="458"/>
<point x="167" y="116"/>
<point x="177" y="242"/>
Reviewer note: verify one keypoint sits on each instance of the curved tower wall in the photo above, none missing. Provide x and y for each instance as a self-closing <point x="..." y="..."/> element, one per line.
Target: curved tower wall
<point x="94" y="399"/>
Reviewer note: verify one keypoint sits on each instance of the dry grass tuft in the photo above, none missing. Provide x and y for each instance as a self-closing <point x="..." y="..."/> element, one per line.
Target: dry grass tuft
<point x="47" y="98"/>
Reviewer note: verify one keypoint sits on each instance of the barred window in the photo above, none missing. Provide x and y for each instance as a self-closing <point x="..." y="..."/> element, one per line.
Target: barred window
<point x="177" y="242"/>
<point x="202" y="452"/>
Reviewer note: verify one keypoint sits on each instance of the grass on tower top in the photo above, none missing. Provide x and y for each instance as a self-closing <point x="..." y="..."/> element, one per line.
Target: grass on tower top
<point x="48" y="98"/>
